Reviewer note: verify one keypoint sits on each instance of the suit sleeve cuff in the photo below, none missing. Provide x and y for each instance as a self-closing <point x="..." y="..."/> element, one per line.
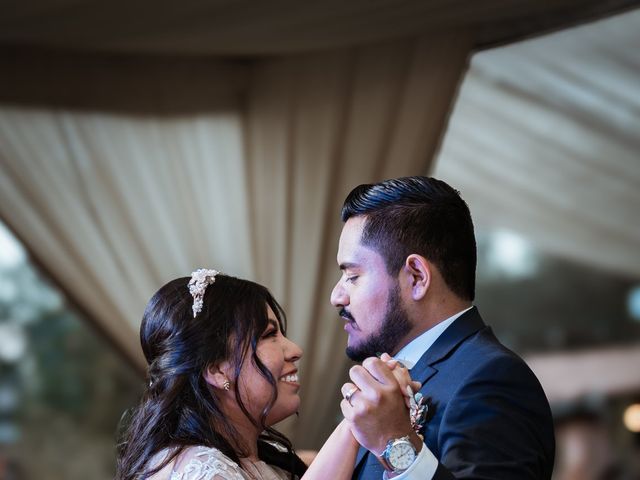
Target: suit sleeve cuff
<point x="423" y="467"/>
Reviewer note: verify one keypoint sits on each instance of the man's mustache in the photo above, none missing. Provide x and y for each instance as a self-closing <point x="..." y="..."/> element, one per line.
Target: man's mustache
<point x="346" y="315"/>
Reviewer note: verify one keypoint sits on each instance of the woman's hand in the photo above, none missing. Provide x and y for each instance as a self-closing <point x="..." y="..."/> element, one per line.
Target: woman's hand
<point x="401" y="374"/>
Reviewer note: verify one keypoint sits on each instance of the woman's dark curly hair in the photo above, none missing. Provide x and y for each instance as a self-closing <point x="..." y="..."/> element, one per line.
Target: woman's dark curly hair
<point x="179" y="408"/>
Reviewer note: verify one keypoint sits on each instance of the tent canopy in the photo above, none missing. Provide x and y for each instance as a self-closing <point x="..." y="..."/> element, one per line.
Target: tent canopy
<point x="139" y="141"/>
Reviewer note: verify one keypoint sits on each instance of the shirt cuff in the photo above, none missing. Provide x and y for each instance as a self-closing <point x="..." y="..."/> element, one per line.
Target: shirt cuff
<point x="423" y="467"/>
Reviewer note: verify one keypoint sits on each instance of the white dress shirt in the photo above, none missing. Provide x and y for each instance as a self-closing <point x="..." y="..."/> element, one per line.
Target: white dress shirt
<point x="425" y="464"/>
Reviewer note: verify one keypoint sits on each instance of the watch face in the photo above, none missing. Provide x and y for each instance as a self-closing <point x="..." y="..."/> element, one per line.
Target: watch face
<point x="401" y="455"/>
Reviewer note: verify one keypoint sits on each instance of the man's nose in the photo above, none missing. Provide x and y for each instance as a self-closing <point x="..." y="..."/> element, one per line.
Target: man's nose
<point x="339" y="296"/>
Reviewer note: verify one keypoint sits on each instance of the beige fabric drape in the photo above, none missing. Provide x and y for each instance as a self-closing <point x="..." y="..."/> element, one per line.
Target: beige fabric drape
<point x="319" y="125"/>
<point x="115" y="206"/>
<point x="115" y="203"/>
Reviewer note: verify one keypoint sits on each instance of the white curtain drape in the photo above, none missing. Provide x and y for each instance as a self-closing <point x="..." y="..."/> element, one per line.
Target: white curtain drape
<point x="114" y="203"/>
<point x="559" y="139"/>
<point x="114" y="206"/>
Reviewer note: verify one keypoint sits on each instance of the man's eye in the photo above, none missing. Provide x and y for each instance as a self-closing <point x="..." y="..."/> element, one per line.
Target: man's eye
<point x="352" y="278"/>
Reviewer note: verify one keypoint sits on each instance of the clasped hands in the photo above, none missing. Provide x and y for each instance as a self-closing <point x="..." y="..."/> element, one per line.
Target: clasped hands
<point x="376" y="403"/>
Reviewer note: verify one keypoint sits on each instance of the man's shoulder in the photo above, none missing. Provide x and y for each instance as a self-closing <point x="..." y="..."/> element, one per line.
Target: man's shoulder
<point x="485" y="349"/>
<point x="481" y="354"/>
<point x="482" y="360"/>
<point x="470" y="335"/>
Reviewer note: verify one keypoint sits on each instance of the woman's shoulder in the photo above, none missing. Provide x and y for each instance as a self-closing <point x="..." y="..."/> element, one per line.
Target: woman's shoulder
<point x="198" y="463"/>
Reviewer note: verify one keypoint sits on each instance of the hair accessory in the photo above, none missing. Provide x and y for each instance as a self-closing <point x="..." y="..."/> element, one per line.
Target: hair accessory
<point x="226" y="385"/>
<point x="200" y="279"/>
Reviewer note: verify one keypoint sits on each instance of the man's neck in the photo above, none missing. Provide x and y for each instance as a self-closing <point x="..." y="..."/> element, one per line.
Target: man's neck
<point x="411" y="353"/>
<point x="432" y="316"/>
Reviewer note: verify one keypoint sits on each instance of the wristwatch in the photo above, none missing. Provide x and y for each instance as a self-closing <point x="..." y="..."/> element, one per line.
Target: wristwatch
<point x="399" y="454"/>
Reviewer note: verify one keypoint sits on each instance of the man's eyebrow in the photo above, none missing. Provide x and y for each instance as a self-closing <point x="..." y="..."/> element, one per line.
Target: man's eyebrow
<point x="348" y="266"/>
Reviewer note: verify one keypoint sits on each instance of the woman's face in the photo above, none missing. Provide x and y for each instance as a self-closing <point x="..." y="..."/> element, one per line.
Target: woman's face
<point x="278" y="354"/>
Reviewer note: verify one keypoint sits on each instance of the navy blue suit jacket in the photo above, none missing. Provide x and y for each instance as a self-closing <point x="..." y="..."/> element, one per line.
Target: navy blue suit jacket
<point x="488" y="415"/>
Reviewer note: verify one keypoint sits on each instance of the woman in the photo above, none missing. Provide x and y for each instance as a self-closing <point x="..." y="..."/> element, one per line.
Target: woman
<point x="221" y="373"/>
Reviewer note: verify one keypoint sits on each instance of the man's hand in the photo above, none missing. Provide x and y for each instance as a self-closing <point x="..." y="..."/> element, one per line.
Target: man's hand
<point x="402" y="376"/>
<point x="377" y="411"/>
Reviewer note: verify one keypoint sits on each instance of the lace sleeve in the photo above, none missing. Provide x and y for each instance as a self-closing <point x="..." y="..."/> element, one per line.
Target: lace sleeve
<point x="203" y="463"/>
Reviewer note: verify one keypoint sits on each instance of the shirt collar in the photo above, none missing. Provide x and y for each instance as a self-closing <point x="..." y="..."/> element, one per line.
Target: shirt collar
<point x="411" y="353"/>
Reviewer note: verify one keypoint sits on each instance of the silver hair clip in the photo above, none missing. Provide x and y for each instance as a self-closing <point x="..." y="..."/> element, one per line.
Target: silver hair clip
<point x="200" y="279"/>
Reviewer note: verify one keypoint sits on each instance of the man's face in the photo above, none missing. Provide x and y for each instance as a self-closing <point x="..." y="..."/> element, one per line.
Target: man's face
<point x="367" y="297"/>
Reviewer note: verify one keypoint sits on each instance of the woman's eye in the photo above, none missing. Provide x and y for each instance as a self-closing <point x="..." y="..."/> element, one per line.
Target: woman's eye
<point x="270" y="333"/>
<point x="352" y="278"/>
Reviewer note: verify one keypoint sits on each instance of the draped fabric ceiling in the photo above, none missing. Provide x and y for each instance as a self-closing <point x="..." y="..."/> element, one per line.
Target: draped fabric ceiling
<point x="250" y="28"/>
<point x="553" y="125"/>
<point x="130" y="154"/>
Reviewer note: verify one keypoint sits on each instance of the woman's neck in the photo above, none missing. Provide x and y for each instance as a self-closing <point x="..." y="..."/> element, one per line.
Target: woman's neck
<point x="248" y="434"/>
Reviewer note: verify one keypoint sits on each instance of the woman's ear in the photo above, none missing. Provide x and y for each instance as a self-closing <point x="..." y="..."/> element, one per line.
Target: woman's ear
<point x="215" y="376"/>
<point x="418" y="270"/>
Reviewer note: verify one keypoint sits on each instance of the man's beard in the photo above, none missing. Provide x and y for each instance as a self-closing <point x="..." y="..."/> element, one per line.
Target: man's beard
<point x="395" y="326"/>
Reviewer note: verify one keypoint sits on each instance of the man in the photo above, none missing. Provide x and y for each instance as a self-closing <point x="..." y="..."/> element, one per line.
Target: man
<point x="407" y="254"/>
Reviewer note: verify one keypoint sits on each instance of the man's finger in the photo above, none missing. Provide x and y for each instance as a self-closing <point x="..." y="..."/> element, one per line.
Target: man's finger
<point x="391" y="364"/>
<point x="380" y="371"/>
<point x="364" y="380"/>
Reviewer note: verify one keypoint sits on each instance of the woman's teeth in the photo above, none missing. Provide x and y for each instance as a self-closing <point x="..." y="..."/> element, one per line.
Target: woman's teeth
<point x="290" y="378"/>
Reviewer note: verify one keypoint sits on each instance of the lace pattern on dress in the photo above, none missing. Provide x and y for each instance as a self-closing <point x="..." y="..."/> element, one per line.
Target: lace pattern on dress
<point x="203" y="463"/>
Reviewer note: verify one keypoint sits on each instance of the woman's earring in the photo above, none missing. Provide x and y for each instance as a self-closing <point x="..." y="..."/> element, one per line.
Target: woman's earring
<point x="226" y="385"/>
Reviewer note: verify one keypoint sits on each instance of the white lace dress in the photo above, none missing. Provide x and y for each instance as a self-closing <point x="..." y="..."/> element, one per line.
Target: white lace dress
<point x="204" y="463"/>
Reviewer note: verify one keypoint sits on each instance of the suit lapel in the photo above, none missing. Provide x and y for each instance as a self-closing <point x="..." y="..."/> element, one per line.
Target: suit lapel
<point x="464" y="326"/>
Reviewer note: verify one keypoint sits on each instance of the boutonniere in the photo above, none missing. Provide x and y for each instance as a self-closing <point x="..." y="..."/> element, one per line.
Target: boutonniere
<point x="418" y="410"/>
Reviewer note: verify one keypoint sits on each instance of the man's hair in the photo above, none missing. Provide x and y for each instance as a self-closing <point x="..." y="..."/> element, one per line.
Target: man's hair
<point x="420" y="215"/>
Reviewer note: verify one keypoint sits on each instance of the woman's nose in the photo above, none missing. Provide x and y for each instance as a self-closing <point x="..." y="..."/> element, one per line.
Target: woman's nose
<point x="294" y="352"/>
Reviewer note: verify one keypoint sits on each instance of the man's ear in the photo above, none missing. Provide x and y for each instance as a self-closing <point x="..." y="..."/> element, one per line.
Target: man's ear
<point x="215" y="376"/>
<point x="418" y="271"/>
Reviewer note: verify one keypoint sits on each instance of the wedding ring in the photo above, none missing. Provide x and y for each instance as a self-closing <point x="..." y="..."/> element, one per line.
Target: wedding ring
<point x="350" y="394"/>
